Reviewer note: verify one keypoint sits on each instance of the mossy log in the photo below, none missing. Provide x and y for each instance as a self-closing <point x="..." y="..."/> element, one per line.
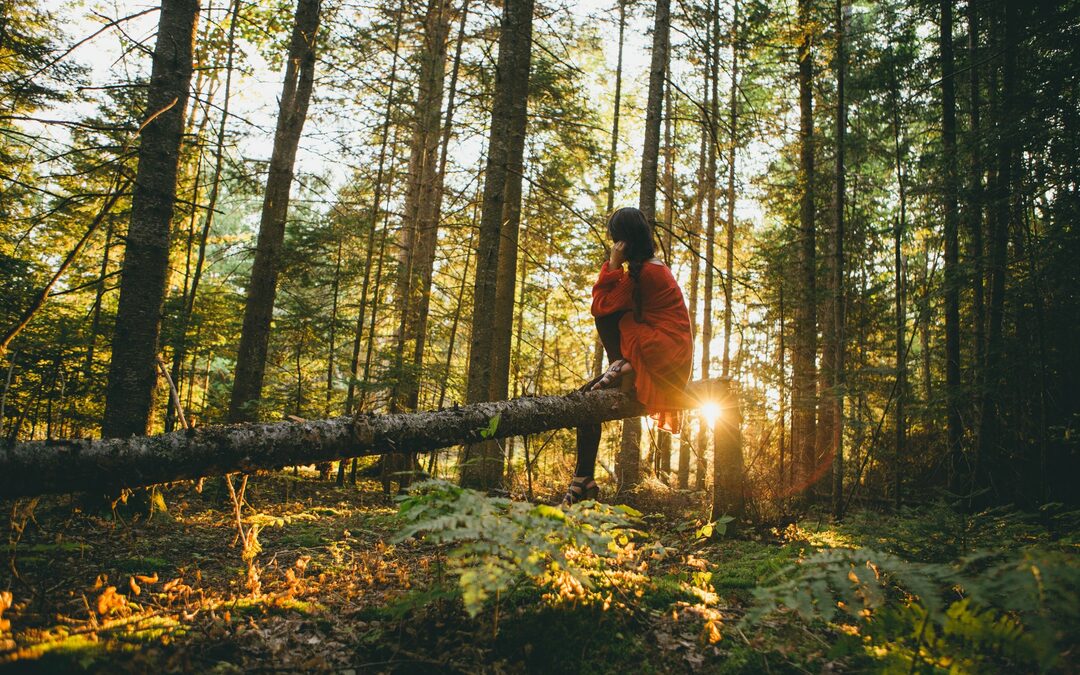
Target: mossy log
<point x="31" y="468"/>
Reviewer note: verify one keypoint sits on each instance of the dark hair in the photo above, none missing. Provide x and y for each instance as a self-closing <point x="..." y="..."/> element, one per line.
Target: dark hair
<point x="629" y="225"/>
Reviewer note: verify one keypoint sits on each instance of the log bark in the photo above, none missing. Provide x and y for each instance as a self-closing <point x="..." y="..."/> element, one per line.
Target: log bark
<point x="37" y="467"/>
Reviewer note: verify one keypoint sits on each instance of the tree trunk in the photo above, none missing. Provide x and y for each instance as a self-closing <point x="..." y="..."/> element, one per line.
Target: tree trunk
<point x="35" y="467"/>
<point x="837" y="398"/>
<point x="129" y="396"/>
<point x="975" y="210"/>
<point x="613" y="159"/>
<point x="733" y="140"/>
<point x="957" y="470"/>
<point x="420" y="226"/>
<point x="654" y="109"/>
<point x="728" y="471"/>
<point x="900" y="422"/>
<point x="376" y="199"/>
<point x="262" y="288"/>
<point x="188" y="308"/>
<point x="998" y="251"/>
<point x="804" y="377"/>
<point x="482" y="465"/>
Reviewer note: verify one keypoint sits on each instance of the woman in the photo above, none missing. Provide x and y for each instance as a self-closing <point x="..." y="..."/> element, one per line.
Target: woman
<point x="643" y="323"/>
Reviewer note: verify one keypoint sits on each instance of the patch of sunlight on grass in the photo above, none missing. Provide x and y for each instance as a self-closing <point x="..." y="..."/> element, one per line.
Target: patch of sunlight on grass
<point x="274" y="605"/>
<point x="87" y="648"/>
<point x="822" y="537"/>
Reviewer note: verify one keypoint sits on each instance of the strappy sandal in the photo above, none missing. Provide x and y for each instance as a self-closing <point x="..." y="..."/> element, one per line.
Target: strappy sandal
<point x="581" y="488"/>
<point x="612" y="375"/>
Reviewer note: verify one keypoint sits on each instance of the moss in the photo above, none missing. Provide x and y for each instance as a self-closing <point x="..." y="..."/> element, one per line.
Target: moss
<point x="256" y="607"/>
<point x="662" y="592"/>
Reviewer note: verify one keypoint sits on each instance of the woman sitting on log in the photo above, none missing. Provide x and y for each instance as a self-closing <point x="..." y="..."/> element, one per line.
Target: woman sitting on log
<point x="645" y="329"/>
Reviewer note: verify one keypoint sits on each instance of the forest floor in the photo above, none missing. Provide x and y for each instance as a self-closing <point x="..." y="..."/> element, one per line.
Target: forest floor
<point x="333" y="591"/>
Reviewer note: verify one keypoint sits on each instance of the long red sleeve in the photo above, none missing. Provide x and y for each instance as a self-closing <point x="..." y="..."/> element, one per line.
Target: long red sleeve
<point x="612" y="292"/>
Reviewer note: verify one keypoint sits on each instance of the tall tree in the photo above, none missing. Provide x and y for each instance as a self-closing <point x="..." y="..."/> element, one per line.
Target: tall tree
<point x="837" y="282"/>
<point x="262" y="288"/>
<point x="613" y="160"/>
<point x="974" y="209"/>
<point x="129" y="396"/>
<point x="420" y="227"/>
<point x="952" y="249"/>
<point x="803" y="386"/>
<point x="733" y="141"/>
<point x="490" y="342"/>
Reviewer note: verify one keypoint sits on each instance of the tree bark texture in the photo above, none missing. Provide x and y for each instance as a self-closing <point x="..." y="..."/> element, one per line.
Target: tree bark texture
<point x="129" y="396"/>
<point x="654" y="109"/>
<point x="483" y="464"/>
<point x="262" y="288"/>
<point x="728" y="470"/>
<point x="36" y="467"/>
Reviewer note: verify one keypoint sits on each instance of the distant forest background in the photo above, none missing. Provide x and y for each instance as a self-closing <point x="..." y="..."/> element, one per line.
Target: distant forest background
<point x="871" y="208"/>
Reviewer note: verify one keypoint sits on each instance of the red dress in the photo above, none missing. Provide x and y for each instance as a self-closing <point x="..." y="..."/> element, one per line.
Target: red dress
<point x="661" y="348"/>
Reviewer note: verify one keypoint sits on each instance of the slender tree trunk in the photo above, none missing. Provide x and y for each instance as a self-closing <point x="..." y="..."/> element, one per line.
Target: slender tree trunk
<point x="613" y="160"/>
<point x="332" y="347"/>
<point x="783" y="394"/>
<point x="803" y="393"/>
<point x="129" y="396"/>
<point x="262" y="288"/>
<point x="998" y="250"/>
<point x="95" y="311"/>
<point x="957" y="470"/>
<point x="900" y="423"/>
<point x="457" y="309"/>
<point x="482" y="465"/>
<point x="975" y="212"/>
<point x="420" y="226"/>
<point x="733" y="140"/>
<point x="188" y="308"/>
<point x="837" y="441"/>
<point x="376" y="200"/>
<point x="654" y="108"/>
<point x="436" y="205"/>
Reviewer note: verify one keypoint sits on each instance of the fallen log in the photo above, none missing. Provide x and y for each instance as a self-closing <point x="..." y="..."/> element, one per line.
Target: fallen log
<point x="31" y="468"/>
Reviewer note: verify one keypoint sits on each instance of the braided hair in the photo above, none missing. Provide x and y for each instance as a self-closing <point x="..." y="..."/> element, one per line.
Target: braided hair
<point x="628" y="224"/>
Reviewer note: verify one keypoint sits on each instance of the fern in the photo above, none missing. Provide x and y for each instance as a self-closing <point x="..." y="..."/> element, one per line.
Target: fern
<point x="987" y="609"/>
<point x="500" y="542"/>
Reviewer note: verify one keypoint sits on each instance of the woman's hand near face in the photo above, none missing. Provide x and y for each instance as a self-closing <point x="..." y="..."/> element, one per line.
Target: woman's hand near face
<point x="618" y="254"/>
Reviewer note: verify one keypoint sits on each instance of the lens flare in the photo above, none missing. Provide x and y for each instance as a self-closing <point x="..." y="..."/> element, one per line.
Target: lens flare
<point x="711" y="412"/>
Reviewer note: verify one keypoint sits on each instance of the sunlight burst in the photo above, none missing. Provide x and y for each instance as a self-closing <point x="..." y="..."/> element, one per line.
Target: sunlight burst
<point x="711" y="412"/>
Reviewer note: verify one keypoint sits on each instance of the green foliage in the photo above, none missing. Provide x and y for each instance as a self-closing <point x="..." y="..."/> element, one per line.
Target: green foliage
<point x="492" y="427"/>
<point x="499" y="543"/>
<point x="987" y="610"/>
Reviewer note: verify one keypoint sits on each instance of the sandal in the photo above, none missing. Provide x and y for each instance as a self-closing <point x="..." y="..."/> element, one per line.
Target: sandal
<point x="612" y="375"/>
<point x="581" y="488"/>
